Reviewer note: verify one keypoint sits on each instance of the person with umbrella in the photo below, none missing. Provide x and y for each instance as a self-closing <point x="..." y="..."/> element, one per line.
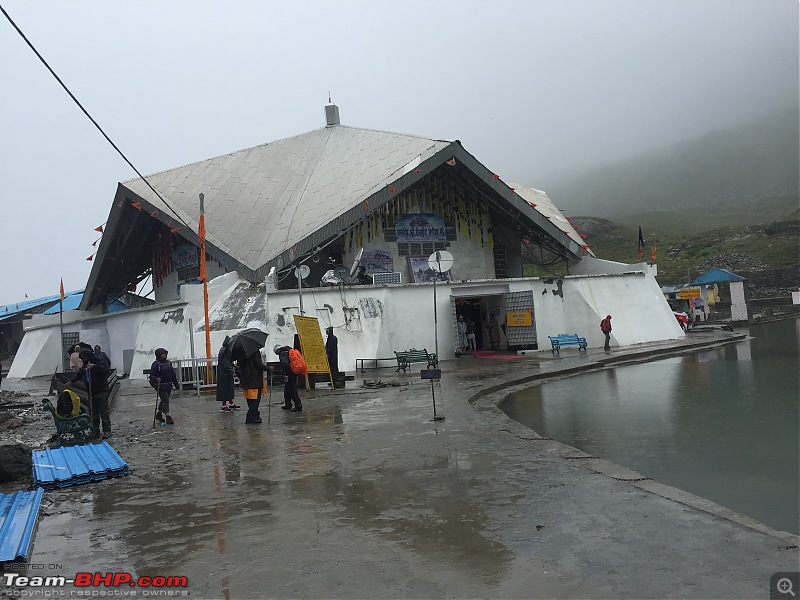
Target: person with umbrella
<point x="245" y="348"/>
<point x="225" y="378"/>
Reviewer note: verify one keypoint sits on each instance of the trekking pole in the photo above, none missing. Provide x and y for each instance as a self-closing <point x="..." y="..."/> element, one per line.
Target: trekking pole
<point x="155" y="410"/>
<point x="91" y="408"/>
<point x="269" y="402"/>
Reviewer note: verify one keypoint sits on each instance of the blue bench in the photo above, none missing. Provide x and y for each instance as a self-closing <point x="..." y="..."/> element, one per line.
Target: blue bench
<point x="566" y="339"/>
<point x="406" y="357"/>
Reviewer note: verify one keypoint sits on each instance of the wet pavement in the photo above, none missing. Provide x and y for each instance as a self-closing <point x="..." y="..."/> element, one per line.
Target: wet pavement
<point x="364" y="495"/>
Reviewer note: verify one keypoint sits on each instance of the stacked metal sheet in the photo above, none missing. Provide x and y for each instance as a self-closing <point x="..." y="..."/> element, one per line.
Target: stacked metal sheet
<point x="74" y="465"/>
<point x="18" y="516"/>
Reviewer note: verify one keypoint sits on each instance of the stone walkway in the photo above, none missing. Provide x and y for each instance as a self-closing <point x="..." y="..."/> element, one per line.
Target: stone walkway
<point x="364" y="495"/>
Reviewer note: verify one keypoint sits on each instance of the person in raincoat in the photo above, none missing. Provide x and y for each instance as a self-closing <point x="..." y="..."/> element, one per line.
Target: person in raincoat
<point x="250" y="370"/>
<point x="332" y="352"/>
<point x="225" y="391"/>
<point x="290" y="393"/>
<point x="75" y="359"/>
<point x="605" y="327"/>
<point x="162" y="378"/>
<point x="94" y="373"/>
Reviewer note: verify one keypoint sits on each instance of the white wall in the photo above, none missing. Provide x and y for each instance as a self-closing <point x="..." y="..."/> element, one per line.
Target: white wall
<point x="171" y="290"/>
<point x="374" y="321"/>
<point x="38" y="354"/>
<point x="738" y="304"/>
<point x="398" y="317"/>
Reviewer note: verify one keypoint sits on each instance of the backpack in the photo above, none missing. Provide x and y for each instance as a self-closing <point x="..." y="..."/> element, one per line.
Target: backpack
<point x="297" y="363"/>
<point x="68" y="404"/>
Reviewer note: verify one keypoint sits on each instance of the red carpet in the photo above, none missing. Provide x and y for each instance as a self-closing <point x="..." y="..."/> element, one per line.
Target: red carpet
<point x="492" y="354"/>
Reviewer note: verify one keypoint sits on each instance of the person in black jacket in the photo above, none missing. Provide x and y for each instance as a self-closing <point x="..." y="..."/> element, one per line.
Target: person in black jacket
<point x="290" y="393"/>
<point x="94" y="374"/>
<point x="162" y="378"/>
<point x="225" y="390"/>
<point x="332" y="351"/>
<point x="250" y="371"/>
<point x="98" y="352"/>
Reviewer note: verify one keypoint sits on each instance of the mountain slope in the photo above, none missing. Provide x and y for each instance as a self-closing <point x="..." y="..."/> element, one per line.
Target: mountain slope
<point x="737" y="176"/>
<point x="767" y="255"/>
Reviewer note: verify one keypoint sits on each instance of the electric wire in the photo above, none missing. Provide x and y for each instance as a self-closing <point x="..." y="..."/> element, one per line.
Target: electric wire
<point x="85" y="112"/>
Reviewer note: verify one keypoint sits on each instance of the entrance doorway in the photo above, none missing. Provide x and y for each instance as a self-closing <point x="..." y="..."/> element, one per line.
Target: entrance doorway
<point x="470" y="309"/>
<point x="480" y="310"/>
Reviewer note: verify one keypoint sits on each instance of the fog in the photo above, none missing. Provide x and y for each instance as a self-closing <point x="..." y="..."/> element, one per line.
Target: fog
<point x="528" y="87"/>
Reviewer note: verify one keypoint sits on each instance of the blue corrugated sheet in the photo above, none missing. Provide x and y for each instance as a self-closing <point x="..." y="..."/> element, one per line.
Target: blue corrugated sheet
<point x="9" y="310"/>
<point x="74" y="301"/>
<point x="74" y="465"/>
<point x="18" y="515"/>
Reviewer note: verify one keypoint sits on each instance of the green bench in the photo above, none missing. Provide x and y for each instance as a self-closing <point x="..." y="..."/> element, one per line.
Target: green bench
<point x="567" y="339"/>
<point x="71" y="431"/>
<point x="407" y="357"/>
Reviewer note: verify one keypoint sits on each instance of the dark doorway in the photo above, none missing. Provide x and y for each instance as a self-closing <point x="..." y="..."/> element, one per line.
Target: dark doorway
<point x="470" y="309"/>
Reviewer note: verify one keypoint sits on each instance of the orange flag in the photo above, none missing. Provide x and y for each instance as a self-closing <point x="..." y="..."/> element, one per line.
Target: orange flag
<point x="653" y="257"/>
<point x="62" y="289"/>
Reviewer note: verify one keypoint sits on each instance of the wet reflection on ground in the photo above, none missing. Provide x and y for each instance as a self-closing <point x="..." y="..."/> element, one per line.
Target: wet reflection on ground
<point x="208" y="497"/>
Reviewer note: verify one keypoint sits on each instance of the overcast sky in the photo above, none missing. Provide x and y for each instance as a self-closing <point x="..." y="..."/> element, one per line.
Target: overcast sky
<point x="528" y="87"/>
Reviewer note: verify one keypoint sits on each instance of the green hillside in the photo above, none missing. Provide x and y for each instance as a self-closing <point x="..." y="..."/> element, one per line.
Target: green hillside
<point x="767" y="255"/>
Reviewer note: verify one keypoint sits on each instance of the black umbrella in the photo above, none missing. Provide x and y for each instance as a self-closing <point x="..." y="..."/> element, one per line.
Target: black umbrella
<point x="246" y="343"/>
<point x="81" y="346"/>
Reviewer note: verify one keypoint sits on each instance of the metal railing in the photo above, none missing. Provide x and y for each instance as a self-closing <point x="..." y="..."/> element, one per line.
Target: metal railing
<point x="360" y="363"/>
<point x="196" y="373"/>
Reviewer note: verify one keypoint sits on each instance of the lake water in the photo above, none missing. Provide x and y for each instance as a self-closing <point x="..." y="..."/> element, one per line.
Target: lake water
<point x="722" y="424"/>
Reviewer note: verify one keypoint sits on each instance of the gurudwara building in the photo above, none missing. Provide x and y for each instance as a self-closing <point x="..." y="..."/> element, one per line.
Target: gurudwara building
<point x="359" y="212"/>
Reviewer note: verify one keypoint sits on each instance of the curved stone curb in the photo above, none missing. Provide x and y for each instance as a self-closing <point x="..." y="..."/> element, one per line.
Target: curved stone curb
<point x="487" y="401"/>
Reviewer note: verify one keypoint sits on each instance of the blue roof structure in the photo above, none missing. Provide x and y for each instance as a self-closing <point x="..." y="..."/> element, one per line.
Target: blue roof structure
<point x="715" y="276"/>
<point x="9" y="310"/>
<point x="18" y="516"/>
<point x="74" y="301"/>
<point x="67" y="466"/>
<point x="70" y="303"/>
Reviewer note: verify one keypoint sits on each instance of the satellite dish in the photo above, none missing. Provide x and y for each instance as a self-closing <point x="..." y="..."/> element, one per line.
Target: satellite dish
<point x="440" y="261"/>
<point x="341" y="272"/>
<point x="302" y="271"/>
<point x="356" y="262"/>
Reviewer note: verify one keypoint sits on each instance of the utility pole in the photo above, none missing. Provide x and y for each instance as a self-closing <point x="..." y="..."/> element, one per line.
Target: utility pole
<point x="204" y="278"/>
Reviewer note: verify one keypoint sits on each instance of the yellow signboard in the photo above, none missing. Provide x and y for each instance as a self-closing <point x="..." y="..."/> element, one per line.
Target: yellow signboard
<point x="689" y="293"/>
<point x="518" y="318"/>
<point x="313" y="348"/>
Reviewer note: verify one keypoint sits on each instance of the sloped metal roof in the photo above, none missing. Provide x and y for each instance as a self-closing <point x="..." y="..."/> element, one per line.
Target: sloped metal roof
<point x="544" y="206"/>
<point x="73" y="302"/>
<point x="66" y="466"/>
<point x="271" y="205"/>
<point x="263" y="200"/>
<point x="18" y="516"/>
<point x="9" y="310"/>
